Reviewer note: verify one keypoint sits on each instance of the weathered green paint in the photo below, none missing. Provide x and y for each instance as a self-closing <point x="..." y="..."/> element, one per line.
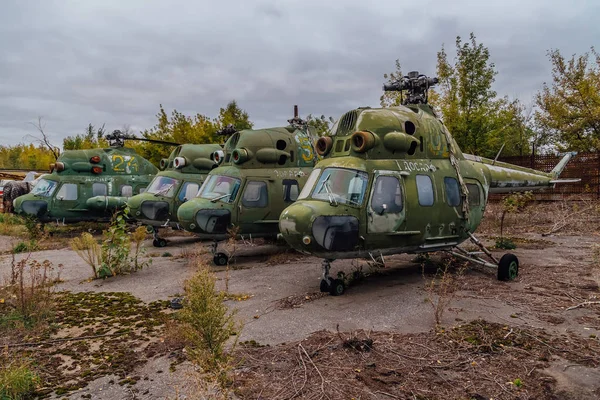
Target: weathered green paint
<point x="268" y="159"/>
<point x="64" y="195"/>
<point x="199" y="161"/>
<point x="407" y="143"/>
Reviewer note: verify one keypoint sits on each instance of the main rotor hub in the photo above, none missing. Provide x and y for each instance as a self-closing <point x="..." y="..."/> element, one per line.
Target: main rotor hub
<point x="417" y="85"/>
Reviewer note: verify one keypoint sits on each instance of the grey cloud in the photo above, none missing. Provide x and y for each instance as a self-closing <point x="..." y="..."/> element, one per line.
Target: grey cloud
<point x="114" y="62"/>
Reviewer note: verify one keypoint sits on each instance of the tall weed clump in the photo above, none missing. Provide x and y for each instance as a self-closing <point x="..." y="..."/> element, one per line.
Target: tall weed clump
<point x="17" y="379"/>
<point x="114" y="255"/>
<point x="27" y="298"/>
<point x="207" y="323"/>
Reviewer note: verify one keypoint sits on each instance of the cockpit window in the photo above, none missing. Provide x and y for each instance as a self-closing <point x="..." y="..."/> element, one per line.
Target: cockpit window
<point x="163" y="186"/>
<point x="343" y="186"/>
<point x="220" y="187"/>
<point x="310" y="183"/>
<point x="44" y="188"/>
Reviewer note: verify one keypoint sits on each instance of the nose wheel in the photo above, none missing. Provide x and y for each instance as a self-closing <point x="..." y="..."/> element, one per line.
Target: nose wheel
<point x="158" y="241"/>
<point x="335" y="287"/>
<point x="220" y="259"/>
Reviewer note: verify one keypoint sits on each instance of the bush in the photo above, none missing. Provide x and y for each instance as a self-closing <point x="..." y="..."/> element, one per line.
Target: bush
<point x="17" y="380"/>
<point x="505" y="243"/>
<point x="208" y="323"/>
<point x="112" y="257"/>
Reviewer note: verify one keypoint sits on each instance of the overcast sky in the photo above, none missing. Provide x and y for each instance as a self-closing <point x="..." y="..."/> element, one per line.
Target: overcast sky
<point x="115" y="61"/>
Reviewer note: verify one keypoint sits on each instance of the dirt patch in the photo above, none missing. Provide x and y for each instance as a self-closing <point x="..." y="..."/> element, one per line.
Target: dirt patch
<point x="477" y="360"/>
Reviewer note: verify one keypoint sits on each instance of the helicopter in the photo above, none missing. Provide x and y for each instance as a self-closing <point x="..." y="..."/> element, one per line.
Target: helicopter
<point x="178" y="181"/>
<point x="393" y="180"/>
<point x="261" y="172"/>
<point x="88" y="185"/>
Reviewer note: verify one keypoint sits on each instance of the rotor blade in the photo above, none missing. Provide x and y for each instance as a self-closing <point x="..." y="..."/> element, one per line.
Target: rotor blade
<point x="152" y="141"/>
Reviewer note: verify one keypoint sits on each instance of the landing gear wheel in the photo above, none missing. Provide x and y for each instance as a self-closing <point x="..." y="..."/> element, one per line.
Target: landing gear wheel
<point x="325" y="286"/>
<point x="220" y="259"/>
<point x="337" y="287"/>
<point x="159" y="242"/>
<point x="508" y="267"/>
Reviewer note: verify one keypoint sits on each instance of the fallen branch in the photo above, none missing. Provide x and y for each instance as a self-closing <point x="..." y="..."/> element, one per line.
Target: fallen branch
<point x="316" y="369"/>
<point x="585" y="303"/>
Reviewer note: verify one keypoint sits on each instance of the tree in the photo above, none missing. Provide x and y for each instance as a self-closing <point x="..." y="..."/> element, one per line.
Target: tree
<point x="319" y="125"/>
<point x="569" y="108"/>
<point x="233" y="115"/>
<point x="92" y="138"/>
<point x="479" y="120"/>
<point x="180" y="128"/>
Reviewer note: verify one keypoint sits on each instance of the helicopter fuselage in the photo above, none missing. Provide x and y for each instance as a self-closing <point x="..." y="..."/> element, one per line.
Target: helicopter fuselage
<point x="394" y="181"/>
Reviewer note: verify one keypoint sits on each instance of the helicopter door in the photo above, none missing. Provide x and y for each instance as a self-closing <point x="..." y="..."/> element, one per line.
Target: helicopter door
<point x="254" y="208"/>
<point x="386" y="209"/>
<point x="66" y="197"/>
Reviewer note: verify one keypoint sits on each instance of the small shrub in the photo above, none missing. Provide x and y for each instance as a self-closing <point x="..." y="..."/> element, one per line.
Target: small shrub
<point x="505" y="243"/>
<point x="114" y="256"/>
<point x="166" y="254"/>
<point x="34" y="227"/>
<point x="514" y="203"/>
<point x="441" y="289"/>
<point x="17" y="380"/>
<point x="89" y="250"/>
<point x="28" y="296"/>
<point x="208" y="323"/>
<point x="20" y="247"/>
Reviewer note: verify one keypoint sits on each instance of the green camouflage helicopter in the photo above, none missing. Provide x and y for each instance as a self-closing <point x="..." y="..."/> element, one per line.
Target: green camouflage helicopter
<point x="395" y="181"/>
<point x="261" y="173"/>
<point x="88" y="185"/>
<point x="178" y="181"/>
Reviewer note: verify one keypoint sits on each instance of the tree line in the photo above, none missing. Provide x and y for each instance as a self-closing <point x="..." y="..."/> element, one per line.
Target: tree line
<point x="564" y="115"/>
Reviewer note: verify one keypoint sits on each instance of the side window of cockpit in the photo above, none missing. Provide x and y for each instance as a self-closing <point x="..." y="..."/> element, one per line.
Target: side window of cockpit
<point x="452" y="192"/>
<point x="255" y="194"/>
<point x="143" y="189"/>
<point x="188" y="191"/>
<point x="126" y="191"/>
<point x="68" y="191"/>
<point x="387" y="195"/>
<point x="99" y="189"/>
<point x="290" y="190"/>
<point x="425" y="190"/>
<point x="474" y="196"/>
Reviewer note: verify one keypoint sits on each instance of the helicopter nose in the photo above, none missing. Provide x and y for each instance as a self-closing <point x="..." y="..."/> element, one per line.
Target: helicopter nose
<point x="31" y="207"/>
<point x="213" y="221"/>
<point x="299" y="224"/>
<point x="156" y="210"/>
<point x="336" y="233"/>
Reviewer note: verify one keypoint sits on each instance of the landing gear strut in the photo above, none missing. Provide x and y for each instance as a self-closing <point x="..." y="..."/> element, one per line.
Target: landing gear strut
<point x="219" y="259"/>
<point x="158" y="241"/>
<point x="507" y="268"/>
<point x="335" y="287"/>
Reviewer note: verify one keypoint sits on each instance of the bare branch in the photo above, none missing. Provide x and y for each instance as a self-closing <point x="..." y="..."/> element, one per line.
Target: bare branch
<point x="44" y="140"/>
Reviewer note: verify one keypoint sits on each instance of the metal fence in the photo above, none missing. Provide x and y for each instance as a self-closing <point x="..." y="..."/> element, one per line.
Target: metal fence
<point x="585" y="166"/>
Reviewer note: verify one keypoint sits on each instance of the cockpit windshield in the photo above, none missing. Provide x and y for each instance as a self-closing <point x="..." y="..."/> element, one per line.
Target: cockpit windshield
<point x="163" y="186"/>
<point x="44" y="188"/>
<point x="220" y="187"/>
<point x="341" y="186"/>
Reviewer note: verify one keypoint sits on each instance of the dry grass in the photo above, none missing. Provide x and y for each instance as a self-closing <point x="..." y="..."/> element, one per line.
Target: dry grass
<point x="578" y="216"/>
